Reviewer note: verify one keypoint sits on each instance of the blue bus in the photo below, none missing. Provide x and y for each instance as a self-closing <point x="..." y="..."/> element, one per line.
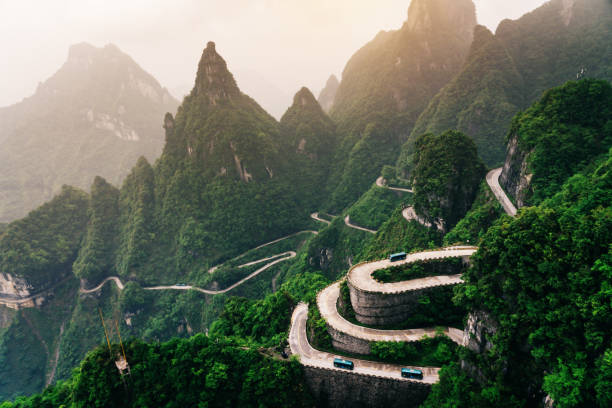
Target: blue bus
<point x="347" y="365"/>
<point x="412" y="373"/>
<point x="400" y="256"/>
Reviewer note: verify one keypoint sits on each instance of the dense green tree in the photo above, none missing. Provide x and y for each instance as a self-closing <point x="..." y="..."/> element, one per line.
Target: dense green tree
<point x="446" y="177"/>
<point x="562" y="132"/>
<point x="198" y="372"/>
<point x="95" y="260"/>
<point x="544" y="278"/>
<point x="42" y="246"/>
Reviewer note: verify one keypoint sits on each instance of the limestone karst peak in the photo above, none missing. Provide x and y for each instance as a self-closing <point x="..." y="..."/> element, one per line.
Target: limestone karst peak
<point x="304" y="98"/>
<point x="332" y="81"/>
<point x="456" y="16"/>
<point x="214" y="79"/>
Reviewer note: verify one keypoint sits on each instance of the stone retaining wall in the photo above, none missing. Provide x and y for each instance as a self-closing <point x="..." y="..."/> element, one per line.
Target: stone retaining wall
<point x="382" y="309"/>
<point x="350" y="344"/>
<point x="333" y="388"/>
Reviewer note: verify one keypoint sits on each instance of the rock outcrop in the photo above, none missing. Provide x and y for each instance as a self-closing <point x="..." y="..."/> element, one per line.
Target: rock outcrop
<point x="13" y="287"/>
<point x="515" y="178"/>
<point x="479" y="331"/>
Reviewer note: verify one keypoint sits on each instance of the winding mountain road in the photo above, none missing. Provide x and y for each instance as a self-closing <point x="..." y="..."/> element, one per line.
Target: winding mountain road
<point x="360" y="276"/>
<point x="498" y="191"/>
<point x="380" y="182"/>
<point x="298" y="342"/>
<point x="315" y="216"/>
<point x="214" y="268"/>
<point x="277" y="259"/>
<point x="327" y="300"/>
<point x="347" y="221"/>
<point x="97" y="288"/>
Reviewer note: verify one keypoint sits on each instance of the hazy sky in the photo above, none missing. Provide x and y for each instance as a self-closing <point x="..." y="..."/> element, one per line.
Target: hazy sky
<point x="269" y="44"/>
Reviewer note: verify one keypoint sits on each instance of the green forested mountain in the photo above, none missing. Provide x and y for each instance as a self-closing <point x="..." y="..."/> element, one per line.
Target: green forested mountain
<point x="447" y="172"/>
<point x="230" y="178"/>
<point x="543" y="278"/>
<point x="479" y="101"/>
<point x="557" y="137"/>
<point x="387" y="84"/>
<point x="41" y="247"/>
<point x="225" y="179"/>
<point x="506" y="72"/>
<point x="95" y="116"/>
<point x="310" y="136"/>
<point x="534" y="300"/>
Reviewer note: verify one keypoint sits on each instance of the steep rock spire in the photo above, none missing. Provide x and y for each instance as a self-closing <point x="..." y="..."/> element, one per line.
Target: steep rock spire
<point x="458" y="16"/>
<point x="304" y="98"/>
<point x="214" y="79"/>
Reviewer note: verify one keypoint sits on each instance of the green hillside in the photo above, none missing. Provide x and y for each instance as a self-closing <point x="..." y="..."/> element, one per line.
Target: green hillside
<point x="508" y="71"/>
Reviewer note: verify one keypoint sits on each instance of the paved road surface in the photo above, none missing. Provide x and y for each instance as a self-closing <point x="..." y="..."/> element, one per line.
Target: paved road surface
<point x="97" y="288"/>
<point x="380" y="182"/>
<point x="360" y="276"/>
<point x="500" y="194"/>
<point x="347" y="221"/>
<point x="315" y="216"/>
<point x="298" y="341"/>
<point x="327" y="300"/>
<point x="281" y="258"/>
<point x="214" y="268"/>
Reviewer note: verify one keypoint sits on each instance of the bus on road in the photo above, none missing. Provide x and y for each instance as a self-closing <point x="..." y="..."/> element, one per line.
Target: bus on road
<point x="400" y="256"/>
<point x="347" y="365"/>
<point x="412" y="373"/>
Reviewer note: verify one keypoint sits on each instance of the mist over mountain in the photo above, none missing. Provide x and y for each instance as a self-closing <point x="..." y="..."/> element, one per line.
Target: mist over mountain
<point x="328" y="94"/>
<point x="387" y="84"/>
<point x="95" y="116"/>
<point x="560" y="41"/>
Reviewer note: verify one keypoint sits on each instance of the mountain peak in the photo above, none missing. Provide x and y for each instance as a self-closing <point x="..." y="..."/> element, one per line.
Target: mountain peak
<point x="80" y="51"/>
<point x="456" y="15"/>
<point x="482" y="37"/>
<point x="304" y="98"/>
<point x="332" y="81"/>
<point x="214" y="79"/>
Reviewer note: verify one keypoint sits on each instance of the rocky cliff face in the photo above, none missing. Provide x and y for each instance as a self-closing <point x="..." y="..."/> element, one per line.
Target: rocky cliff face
<point x="479" y="331"/>
<point x="95" y="116"/>
<point x="13" y="287"/>
<point x="515" y="178"/>
<point x="328" y="94"/>
<point x="428" y="16"/>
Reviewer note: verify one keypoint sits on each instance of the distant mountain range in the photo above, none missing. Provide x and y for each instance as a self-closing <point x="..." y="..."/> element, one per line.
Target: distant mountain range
<point x="95" y="116"/>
